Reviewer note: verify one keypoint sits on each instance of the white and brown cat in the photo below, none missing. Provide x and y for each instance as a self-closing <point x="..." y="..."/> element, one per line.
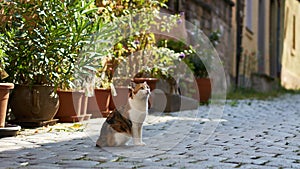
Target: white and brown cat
<point x="127" y="122"/>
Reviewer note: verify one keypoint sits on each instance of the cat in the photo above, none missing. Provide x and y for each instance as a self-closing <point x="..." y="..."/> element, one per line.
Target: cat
<point x="126" y="122"/>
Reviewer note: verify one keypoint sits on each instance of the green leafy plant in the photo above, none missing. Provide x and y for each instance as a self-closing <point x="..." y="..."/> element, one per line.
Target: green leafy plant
<point x="134" y="36"/>
<point x="3" y="59"/>
<point x="161" y="63"/>
<point x="195" y="62"/>
<point x="193" y="59"/>
<point x="44" y="39"/>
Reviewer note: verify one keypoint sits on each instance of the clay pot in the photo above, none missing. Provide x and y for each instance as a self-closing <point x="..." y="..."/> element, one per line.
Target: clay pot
<point x="4" y="95"/>
<point x="33" y="103"/>
<point x="204" y="89"/>
<point x="120" y="99"/>
<point x="70" y="106"/>
<point x="98" y="105"/>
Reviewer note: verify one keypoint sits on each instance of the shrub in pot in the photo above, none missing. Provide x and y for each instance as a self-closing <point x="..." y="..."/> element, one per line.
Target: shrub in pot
<point x="129" y="39"/>
<point x="201" y="76"/>
<point x="161" y="74"/>
<point x="195" y="62"/>
<point x="43" y="40"/>
<point x="4" y="87"/>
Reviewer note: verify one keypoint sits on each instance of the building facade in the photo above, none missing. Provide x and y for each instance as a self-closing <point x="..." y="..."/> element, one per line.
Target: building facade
<point x="258" y="37"/>
<point x="290" y="72"/>
<point x="270" y="43"/>
<point x="255" y="54"/>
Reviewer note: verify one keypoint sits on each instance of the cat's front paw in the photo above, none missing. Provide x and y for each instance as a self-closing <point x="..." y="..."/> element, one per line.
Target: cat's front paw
<point x="140" y="144"/>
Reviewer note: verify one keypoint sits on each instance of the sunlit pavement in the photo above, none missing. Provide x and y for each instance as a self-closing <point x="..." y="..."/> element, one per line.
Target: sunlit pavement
<point x="251" y="134"/>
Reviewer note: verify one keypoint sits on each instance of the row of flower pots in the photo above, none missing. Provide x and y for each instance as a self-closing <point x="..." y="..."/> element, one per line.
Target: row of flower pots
<point x="75" y="106"/>
<point x="104" y="101"/>
<point x="37" y="104"/>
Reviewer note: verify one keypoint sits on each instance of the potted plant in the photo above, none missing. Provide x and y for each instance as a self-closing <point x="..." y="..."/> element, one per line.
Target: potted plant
<point x="106" y="95"/>
<point x="29" y="102"/>
<point x="131" y="38"/>
<point x="93" y="45"/>
<point x="43" y="40"/>
<point x="112" y="11"/>
<point x="4" y="87"/>
<point x="195" y="62"/>
<point x="73" y="99"/>
<point x="201" y="76"/>
<point x="5" y="129"/>
<point x="160" y="70"/>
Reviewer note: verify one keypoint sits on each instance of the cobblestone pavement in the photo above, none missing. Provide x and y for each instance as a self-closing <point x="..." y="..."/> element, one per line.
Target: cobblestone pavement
<point x="251" y="134"/>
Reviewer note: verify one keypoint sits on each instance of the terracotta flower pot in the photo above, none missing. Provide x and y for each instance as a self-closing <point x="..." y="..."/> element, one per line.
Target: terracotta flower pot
<point x="4" y="95"/>
<point x="70" y="103"/>
<point x="121" y="99"/>
<point x="33" y="104"/>
<point x="98" y="105"/>
<point x="204" y="89"/>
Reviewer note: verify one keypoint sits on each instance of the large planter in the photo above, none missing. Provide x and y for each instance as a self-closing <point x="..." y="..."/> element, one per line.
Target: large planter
<point x="4" y="95"/>
<point x="33" y="104"/>
<point x="204" y="89"/>
<point x="98" y="105"/>
<point x="72" y="105"/>
<point x="120" y="99"/>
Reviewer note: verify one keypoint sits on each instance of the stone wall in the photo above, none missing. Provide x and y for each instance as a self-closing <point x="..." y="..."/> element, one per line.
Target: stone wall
<point x="209" y="16"/>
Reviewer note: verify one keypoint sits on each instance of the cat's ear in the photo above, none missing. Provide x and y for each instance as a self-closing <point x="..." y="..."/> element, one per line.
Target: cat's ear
<point x="145" y="83"/>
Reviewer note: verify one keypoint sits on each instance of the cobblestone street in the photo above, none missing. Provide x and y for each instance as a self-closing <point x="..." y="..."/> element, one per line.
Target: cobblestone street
<point x="251" y="134"/>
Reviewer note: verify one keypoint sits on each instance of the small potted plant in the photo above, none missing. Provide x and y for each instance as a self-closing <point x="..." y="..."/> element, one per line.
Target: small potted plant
<point x="161" y="73"/>
<point x="201" y="76"/>
<point x="105" y="92"/>
<point x="195" y="60"/>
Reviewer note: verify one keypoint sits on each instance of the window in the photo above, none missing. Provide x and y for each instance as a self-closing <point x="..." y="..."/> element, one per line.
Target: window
<point x="294" y="32"/>
<point x="249" y="14"/>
